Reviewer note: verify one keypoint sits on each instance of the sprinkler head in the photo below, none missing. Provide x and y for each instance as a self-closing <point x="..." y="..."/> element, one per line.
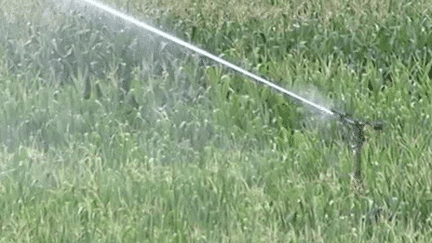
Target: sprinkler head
<point x="345" y="118"/>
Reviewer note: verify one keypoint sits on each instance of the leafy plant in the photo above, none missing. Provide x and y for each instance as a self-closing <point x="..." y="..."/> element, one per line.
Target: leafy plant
<point x="168" y="146"/>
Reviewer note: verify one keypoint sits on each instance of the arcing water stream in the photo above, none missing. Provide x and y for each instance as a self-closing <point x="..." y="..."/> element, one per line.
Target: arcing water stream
<point x="189" y="46"/>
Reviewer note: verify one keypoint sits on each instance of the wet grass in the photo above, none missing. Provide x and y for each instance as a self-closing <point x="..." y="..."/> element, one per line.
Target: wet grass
<point x="195" y="153"/>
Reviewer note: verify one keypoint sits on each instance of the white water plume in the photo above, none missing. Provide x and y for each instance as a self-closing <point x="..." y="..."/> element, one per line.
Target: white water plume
<point x="146" y="27"/>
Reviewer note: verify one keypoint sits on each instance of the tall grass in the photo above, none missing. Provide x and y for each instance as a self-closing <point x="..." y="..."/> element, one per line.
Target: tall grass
<point x="194" y="153"/>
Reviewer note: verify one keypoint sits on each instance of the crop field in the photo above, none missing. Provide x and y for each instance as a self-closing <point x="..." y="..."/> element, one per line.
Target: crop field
<point x="109" y="133"/>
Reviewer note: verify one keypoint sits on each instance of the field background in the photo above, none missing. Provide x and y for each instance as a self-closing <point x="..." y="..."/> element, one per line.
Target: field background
<point x="196" y="153"/>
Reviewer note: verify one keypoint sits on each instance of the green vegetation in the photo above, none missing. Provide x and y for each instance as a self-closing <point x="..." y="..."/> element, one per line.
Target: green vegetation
<point x="108" y="134"/>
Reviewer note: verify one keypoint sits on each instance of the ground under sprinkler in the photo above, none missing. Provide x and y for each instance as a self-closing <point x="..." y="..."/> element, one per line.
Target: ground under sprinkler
<point x="355" y="125"/>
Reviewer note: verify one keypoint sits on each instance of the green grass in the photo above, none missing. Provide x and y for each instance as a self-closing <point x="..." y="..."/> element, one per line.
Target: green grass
<point x="195" y="153"/>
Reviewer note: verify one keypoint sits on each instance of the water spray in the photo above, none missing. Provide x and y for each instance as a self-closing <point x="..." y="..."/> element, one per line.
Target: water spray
<point x="357" y="126"/>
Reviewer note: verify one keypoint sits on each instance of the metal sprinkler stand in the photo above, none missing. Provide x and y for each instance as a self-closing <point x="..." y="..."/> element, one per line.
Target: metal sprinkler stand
<point x="359" y="139"/>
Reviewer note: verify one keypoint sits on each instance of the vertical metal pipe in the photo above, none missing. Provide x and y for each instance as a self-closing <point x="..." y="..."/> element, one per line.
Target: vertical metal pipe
<point x="359" y="140"/>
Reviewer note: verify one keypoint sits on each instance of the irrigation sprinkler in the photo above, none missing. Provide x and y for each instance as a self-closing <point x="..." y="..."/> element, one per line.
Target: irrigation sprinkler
<point x="356" y="125"/>
<point x="359" y="139"/>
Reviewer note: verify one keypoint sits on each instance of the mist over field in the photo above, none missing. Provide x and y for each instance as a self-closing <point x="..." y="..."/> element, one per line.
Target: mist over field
<point x="111" y="133"/>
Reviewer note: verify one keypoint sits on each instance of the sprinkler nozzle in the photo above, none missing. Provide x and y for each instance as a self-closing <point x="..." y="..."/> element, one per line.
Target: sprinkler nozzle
<point x="345" y="118"/>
